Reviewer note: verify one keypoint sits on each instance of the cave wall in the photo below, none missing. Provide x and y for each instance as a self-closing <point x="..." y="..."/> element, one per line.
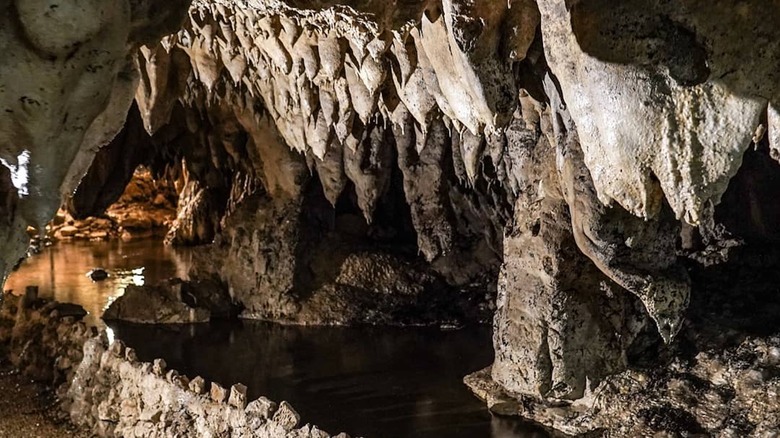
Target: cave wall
<point x="350" y="162"/>
<point x="66" y="82"/>
<point x="269" y="102"/>
<point x="632" y="132"/>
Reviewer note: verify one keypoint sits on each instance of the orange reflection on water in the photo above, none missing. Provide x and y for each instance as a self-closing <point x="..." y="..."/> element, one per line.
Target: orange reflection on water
<point x="60" y="271"/>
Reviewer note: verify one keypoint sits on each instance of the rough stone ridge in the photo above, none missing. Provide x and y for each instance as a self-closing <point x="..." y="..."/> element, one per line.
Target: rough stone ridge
<point x="115" y="397"/>
<point x="106" y="390"/>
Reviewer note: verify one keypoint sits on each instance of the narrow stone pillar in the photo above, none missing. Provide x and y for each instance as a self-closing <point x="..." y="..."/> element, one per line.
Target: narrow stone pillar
<point x="559" y="325"/>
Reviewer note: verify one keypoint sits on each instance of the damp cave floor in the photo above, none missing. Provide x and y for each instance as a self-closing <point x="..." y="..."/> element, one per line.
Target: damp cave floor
<point x="29" y="409"/>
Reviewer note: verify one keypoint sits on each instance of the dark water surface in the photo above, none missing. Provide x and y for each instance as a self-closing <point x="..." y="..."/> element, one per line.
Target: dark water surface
<point x="376" y="382"/>
<point x="371" y="381"/>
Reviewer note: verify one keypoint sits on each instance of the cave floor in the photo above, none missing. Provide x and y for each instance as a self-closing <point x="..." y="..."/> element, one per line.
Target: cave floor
<point x="29" y="409"/>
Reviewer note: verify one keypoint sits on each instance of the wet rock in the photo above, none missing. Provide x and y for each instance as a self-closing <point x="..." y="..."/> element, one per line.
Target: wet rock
<point x="172" y="302"/>
<point x="98" y="274"/>
<point x="149" y="304"/>
<point x="135" y="213"/>
<point x="58" y="219"/>
<point x="69" y="310"/>
<point x="209" y="293"/>
<point x="98" y="235"/>
<point x="135" y="221"/>
<point x="68" y="231"/>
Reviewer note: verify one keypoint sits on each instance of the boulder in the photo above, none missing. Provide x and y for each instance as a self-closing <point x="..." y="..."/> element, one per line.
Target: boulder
<point x="171" y="302"/>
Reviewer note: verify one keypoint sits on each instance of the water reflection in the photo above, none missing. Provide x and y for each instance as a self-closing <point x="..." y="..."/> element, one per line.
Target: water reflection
<point x="373" y="382"/>
<point x="60" y="271"/>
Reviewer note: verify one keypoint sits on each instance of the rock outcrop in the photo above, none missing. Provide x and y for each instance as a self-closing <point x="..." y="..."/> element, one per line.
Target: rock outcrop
<point x="144" y="208"/>
<point x="172" y="302"/>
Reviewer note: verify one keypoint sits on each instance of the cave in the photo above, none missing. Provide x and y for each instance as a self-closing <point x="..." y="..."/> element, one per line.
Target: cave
<point x="418" y="218"/>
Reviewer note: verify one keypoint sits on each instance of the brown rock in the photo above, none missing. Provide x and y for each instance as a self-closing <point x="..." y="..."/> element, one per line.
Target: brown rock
<point x="286" y="417"/>
<point x="198" y="385"/>
<point x="261" y="409"/>
<point x="237" y="396"/>
<point x="68" y="231"/>
<point x="218" y="393"/>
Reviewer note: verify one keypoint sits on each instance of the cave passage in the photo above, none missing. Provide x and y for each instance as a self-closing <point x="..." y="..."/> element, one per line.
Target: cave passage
<point x="331" y="210"/>
<point x="375" y="381"/>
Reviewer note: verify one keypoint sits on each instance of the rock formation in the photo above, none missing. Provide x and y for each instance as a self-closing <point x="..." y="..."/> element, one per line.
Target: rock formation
<point x="67" y="79"/>
<point x="172" y="302"/>
<point x="347" y="162"/>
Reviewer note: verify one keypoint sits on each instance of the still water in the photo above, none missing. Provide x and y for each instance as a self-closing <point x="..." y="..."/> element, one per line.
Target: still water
<point x="376" y="382"/>
<point x="61" y="271"/>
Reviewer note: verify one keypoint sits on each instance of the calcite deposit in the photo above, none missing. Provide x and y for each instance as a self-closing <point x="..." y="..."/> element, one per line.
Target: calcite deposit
<point x="570" y="168"/>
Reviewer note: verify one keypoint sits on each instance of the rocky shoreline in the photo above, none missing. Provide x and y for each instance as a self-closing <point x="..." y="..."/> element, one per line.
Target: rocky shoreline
<point x="104" y="390"/>
<point x="145" y="209"/>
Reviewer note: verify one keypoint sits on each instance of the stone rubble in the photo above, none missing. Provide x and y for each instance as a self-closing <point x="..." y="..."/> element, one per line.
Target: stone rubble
<point x="142" y="211"/>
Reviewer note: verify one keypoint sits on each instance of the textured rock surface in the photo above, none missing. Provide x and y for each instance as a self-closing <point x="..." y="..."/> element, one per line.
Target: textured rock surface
<point x="300" y="132"/>
<point x="40" y="340"/>
<point x="145" y="208"/>
<point x="66" y="82"/>
<point x="172" y="302"/>
<point x="573" y="339"/>
<point x="717" y="379"/>
<point x="115" y="396"/>
<point x="354" y="162"/>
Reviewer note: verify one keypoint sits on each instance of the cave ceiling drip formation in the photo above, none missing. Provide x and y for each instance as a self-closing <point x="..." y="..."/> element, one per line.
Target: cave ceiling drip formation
<point x="559" y="145"/>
